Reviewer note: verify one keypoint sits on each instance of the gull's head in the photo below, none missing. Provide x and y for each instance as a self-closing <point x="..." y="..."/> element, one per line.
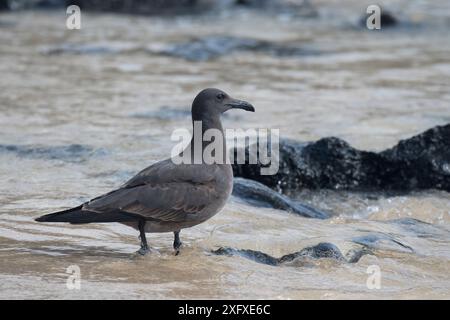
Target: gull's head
<point x="213" y="101"/>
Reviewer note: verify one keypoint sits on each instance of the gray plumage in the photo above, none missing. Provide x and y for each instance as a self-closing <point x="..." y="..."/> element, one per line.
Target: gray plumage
<point x="167" y="197"/>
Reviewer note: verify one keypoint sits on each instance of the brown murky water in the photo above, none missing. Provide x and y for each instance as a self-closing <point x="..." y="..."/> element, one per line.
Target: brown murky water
<point x="73" y="126"/>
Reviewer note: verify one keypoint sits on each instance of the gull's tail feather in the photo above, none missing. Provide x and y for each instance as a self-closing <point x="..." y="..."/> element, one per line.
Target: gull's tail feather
<point x="79" y="216"/>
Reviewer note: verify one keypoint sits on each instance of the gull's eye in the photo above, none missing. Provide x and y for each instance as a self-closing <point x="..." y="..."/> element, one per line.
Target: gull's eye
<point x="220" y="96"/>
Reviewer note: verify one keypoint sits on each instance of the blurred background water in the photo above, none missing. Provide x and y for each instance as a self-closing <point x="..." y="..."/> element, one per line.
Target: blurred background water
<point x="83" y="110"/>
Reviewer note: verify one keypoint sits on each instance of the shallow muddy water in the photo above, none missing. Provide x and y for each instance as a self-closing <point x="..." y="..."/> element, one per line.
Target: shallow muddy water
<point x="77" y="123"/>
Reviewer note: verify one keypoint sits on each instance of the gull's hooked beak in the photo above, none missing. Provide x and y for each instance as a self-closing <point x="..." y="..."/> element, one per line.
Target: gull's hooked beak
<point x="240" y="104"/>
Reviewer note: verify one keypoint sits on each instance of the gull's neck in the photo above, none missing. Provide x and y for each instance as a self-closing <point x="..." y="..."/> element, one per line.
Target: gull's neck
<point x="200" y="127"/>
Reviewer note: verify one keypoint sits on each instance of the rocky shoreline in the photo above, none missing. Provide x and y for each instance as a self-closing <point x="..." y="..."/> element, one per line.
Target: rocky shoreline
<point x="420" y="162"/>
<point x="165" y="7"/>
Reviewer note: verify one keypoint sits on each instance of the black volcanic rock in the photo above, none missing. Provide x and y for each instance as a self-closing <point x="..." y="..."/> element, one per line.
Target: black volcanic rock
<point x="387" y="19"/>
<point x="260" y="195"/>
<point x="366" y="243"/>
<point x="319" y="251"/>
<point x="4" y="5"/>
<point x="421" y="162"/>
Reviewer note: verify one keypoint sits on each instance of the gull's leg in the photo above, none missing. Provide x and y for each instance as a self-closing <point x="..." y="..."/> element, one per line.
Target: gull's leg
<point x="177" y="242"/>
<point x="144" y="246"/>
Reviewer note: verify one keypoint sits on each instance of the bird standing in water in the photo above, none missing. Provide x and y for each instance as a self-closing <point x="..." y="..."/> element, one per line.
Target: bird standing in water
<point x="168" y="197"/>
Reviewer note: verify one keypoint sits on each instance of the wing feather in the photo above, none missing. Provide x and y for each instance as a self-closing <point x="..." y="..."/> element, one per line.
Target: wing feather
<point x="167" y="202"/>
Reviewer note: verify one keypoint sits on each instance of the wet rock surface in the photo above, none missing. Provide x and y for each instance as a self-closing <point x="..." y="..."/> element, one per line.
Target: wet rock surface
<point x="197" y="49"/>
<point x="368" y="243"/>
<point x="167" y="7"/>
<point x="409" y="227"/>
<point x="259" y="195"/>
<point x="4" y="5"/>
<point x="32" y="4"/>
<point x="214" y="46"/>
<point x="69" y="153"/>
<point x="89" y="48"/>
<point x="207" y="48"/>
<point x="420" y="162"/>
<point x="151" y="7"/>
<point x="382" y="241"/>
<point x="421" y="229"/>
<point x="319" y="251"/>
